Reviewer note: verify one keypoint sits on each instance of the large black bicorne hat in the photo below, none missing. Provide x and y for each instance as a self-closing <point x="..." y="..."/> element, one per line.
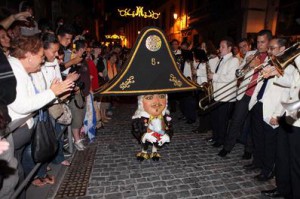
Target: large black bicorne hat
<point x="150" y="69"/>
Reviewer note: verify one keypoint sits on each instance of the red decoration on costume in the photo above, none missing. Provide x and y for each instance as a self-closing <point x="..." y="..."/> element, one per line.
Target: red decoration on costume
<point x="157" y="135"/>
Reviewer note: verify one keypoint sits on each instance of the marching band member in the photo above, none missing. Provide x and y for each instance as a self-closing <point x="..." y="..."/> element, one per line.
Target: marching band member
<point x="202" y="66"/>
<point x="288" y="138"/>
<point x="200" y="61"/>
<point x="253" y="59"/>
<point x="223" y="74"/>
<point x="264" y="103"/>
<point x="244" y="47"/>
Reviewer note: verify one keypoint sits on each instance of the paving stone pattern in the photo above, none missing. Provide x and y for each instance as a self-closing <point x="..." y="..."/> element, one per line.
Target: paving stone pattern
<point x="189" y="167"/>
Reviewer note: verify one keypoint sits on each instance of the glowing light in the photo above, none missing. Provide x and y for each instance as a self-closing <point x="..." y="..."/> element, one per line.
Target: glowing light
<point x="115" y="36"/>
<point x="139" y="12"/>
<point x="175" y="15"/>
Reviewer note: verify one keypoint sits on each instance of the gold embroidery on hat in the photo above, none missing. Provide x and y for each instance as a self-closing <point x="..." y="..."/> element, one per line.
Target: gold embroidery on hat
<point x="127" y="83"/>
<point x="176" y="82"/>
<point x="154" y="62"/>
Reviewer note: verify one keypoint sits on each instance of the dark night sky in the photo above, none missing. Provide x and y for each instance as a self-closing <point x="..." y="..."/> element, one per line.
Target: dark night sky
<point x="114" y="4"/>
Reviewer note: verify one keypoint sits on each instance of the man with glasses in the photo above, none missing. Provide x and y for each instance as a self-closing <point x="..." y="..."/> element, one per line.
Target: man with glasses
<point x="264" y="104"/>
<point x="287" y="160"/>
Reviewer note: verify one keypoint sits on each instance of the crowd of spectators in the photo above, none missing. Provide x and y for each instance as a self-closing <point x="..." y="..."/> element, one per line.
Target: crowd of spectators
<point x="42" y="66"/>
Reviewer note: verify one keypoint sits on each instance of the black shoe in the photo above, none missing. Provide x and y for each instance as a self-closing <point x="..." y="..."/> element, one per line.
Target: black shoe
<point x="210" y="140"/>
<point x="201" y="131"/>
<point x="273" y="193"/>
<point x="250" y="167"/>
<point x="263" y="178"/>
<point x="217" y="144"/>
<point x="155" y="156"/>
<point x="247" y="155"/>
<point x="196" y="130"/>
<point x="190" y="121"/>
<point x="182" y="118"/>
<point x="223" y="153"/>
<point x="141" y="156"/>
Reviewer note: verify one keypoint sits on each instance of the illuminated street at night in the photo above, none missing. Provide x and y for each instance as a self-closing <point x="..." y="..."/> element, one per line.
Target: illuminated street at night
<point x="189" y="167"/>
<point x="149" y="99"/>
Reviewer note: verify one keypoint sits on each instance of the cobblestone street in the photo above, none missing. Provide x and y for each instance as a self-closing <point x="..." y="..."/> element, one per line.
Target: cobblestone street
<point x="189" y="167"/>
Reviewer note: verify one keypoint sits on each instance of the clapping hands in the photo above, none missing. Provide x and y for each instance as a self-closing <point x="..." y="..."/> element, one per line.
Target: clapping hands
<point x="61" y="87"/>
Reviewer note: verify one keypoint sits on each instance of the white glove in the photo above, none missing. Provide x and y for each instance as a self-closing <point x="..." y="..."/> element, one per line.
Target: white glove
<point x="163" y="139"/>
<point x="149" y="137"/>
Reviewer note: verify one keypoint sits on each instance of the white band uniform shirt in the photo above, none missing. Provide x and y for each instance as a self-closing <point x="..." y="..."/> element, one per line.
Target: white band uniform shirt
<point x="226" y="74"/>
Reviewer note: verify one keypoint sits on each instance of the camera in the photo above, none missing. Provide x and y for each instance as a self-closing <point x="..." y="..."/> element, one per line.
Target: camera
<point x="83" y="56"/>
<point x="62" y="66"/>
<point x="30" y="21"/>
<point x="75" y="68"/>
<point x="79" y="84"/>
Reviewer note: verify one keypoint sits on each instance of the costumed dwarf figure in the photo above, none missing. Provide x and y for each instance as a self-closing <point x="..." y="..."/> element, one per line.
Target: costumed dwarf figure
<point x="151" y="73"/>
<point x="151" y="124"/>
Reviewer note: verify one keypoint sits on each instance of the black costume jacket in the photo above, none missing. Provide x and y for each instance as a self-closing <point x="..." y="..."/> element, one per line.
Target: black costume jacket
<point x="140" y="125"/>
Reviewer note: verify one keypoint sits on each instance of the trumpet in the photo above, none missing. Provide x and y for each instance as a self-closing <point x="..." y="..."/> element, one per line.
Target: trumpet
<point x="280" y="62"/>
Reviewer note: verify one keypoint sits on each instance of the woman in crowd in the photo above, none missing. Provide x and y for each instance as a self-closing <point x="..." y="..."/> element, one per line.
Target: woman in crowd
<point x="112" y="70"/>
<point x="111" y="65"/>
<point x="101" y="105"/>
<point x="4" y="41"/>
<point x="77" y="102"/>
<point x="51" y="71"/>
<point x="27" y="54"/>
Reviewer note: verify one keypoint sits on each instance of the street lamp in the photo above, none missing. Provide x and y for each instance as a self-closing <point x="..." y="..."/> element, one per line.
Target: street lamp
<point x="175" y="15"/>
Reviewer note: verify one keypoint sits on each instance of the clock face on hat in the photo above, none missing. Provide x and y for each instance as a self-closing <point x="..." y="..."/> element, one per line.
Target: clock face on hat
<point x="153" y="43"/>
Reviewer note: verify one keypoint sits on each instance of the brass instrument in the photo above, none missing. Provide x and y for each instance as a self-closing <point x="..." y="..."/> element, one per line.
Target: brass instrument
<point x="286" y="57"/>
<point x="246" y="68"/>
<point x="193" y="72"/>
<point x="294" y="106"/>
<point x="280" y="62"/>
<point x="207" y="86"/>
<point x="291" y="107"/>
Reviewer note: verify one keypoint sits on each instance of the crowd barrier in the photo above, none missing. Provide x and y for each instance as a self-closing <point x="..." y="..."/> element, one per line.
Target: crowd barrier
<point x="12" y="126"/>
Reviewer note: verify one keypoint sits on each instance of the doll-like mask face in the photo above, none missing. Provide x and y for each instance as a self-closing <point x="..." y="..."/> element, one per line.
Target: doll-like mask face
<point x="154" y="104"/>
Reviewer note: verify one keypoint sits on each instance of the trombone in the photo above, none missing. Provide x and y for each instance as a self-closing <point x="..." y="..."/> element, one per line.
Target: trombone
<point x="291" y="107"/>
<point x="280" y="62"/>
<point x="246" y="68"/>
